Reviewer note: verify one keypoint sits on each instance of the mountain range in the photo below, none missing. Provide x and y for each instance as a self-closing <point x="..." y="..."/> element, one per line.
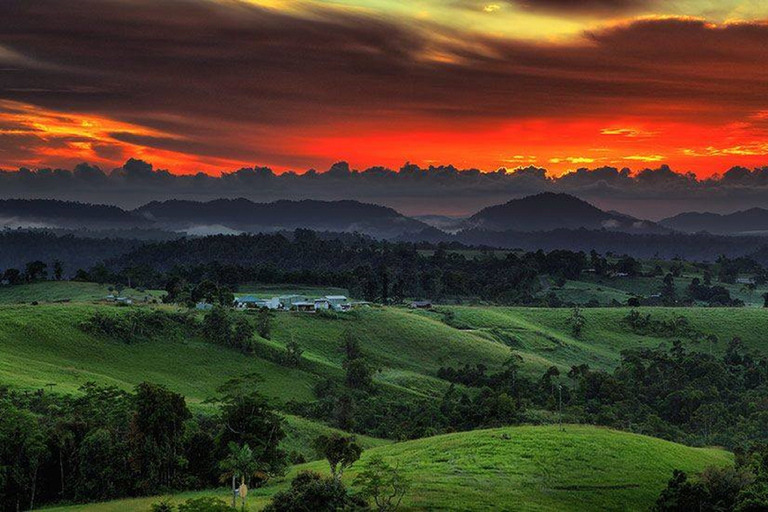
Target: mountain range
<point x="752" y="221"/>
<point x="541" y="213"/>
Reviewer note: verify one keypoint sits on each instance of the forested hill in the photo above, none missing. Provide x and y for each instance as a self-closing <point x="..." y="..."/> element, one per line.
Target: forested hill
<point x="547" y="211"/>
<point x="55" y="213"/>
<point x="693" y="247"/>
<point x="245" y="215"/>
<point x="18" y="247"/>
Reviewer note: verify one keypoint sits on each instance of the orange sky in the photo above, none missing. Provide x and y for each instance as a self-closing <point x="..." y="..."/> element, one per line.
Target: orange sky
<point x="302" y="84"/>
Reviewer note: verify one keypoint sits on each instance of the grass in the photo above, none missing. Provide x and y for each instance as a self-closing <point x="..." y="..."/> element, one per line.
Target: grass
<point x="515" y="468"/>
<point x="68" y="291"/>
<point x="521" y="468"/>
<point x="43" y="344"/>
<point x="543" y="336"/>
<point x="606" y="289"/>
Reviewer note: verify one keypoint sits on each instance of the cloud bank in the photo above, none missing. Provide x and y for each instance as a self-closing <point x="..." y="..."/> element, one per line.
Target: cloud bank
<point x="649" y="193"/>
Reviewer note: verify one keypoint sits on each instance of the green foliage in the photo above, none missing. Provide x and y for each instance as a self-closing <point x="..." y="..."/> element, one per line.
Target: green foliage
<point x="250" y="420"/>
<point x="240" y="462"/>
<point x="204" y="504"/>
<point x="264" y="323"/>
<point x="340" y="452"/>
<point x="358" y="373"/>
<point x="222" y="327"/>
<point x="310" y="491"/>
<point x="157" y="437"/>
<point x="292" y="355"/>
<point x="577" y="322"/>
<point x="162" y="506"/>
<point x="386" y="485"/>
<point x="137" y="325"/>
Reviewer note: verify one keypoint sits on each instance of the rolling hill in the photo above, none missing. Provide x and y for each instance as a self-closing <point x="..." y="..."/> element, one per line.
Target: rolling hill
<point x="517" y="468"/>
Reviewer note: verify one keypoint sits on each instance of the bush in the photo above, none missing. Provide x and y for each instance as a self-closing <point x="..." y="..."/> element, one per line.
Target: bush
<point x="312" y="491"/>
<point x="204" y="504"/>
<point x="162" y="506"/>
<point x="136" y="325"/>
<point x="384" y="484"/>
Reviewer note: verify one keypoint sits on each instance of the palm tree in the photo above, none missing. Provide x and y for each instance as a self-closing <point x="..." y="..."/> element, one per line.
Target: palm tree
<point x="242" y="462"/>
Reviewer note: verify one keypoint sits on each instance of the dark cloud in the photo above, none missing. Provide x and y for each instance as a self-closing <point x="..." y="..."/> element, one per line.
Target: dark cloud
<point x="230" y="80"/>
<point x="586" y="6"/>
<point x="650" y="193"/>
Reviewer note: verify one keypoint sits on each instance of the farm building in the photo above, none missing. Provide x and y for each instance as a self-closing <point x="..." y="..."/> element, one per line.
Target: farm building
<point x="420" y="304"/>
<point x="249" y="302"/>
<point x="338" y="302"/>
<point x="289" y="301"/>
<point x="305" y="306"/>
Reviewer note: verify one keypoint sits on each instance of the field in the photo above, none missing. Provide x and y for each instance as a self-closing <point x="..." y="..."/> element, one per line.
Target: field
<point x="605" y="290"/>
<point x="43" y="344"/>
<point x="68" y="291"/>
<point x="584" y="468"/>
<point x="516" y="468"/>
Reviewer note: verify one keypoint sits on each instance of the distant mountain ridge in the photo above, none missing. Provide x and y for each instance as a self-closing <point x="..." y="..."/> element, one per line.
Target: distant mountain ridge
<point x="753" y="220"/>
<point x="228" y="216"/>
<point x="247" y="216"/>
<point x="548" y="211"/>
<point x="64" y="213"/>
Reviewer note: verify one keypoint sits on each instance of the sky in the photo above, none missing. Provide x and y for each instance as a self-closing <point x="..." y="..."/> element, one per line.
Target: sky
<point x="215" y="85"/>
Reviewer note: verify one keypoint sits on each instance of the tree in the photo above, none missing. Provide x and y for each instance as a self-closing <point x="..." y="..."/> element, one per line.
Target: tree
<point x="264" y="323"/>
<point x="247" y="417"/>
<point x="13" y="276"/>
<point x="340" y="452"/>
<point x="309" y="491"/>
<point x="157" y="436"/>
<point x="22" y="448"/>
<point x="384" y="484"/>
<point x="681" y="495"/>
<point x="35" y="271"/>
<point x="358" y="375"/>
<point x="242" y="462"/>
<point x="577" y="322"/>
<point x="58" y="270"/>
<point x="293" y="353"/>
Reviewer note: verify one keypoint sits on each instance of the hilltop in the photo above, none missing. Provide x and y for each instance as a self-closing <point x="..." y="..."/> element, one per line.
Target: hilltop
<point x="515" y="468"/>
<point x="548" y="211"/>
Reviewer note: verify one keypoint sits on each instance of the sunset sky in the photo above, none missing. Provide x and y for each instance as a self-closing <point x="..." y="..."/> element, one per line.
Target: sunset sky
<point x="215" y="85"/>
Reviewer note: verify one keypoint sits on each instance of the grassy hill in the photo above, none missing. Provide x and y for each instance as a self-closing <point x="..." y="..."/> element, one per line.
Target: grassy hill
<point x="517" y="468"/>
<point x="42" y="345"/>
<point x="67" y="291"/>
<point x="543" y="336"/>
<point x="605" y="290"/>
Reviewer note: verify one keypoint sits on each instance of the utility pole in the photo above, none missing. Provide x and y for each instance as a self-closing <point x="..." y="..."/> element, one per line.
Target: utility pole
<point x="234" y="492"/>
<point x="560" y="390"/>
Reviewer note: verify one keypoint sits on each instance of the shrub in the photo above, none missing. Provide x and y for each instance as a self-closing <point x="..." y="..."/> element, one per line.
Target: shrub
<point x="204" y="504"/>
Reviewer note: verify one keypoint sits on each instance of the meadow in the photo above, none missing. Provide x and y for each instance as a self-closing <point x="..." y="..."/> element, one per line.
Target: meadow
<point x="516" y="468"/>
<point x="520" y="468"/>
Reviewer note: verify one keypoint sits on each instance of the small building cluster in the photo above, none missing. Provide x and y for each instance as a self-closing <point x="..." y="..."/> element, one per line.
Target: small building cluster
<point x="126" y="301"/>
<point x="294" y="303"/>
